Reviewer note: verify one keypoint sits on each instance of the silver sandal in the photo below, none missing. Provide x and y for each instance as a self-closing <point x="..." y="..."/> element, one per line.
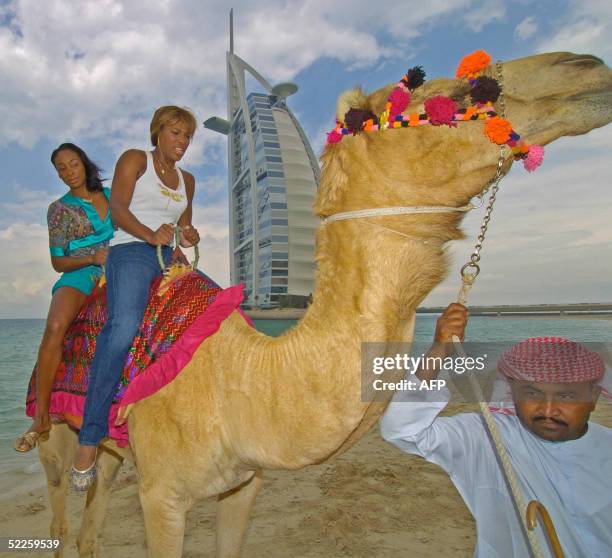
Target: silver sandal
<point x="82" y="481"/>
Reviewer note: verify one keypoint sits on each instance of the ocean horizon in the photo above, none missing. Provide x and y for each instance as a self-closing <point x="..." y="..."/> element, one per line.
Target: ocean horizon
<point x="19" y="340"/>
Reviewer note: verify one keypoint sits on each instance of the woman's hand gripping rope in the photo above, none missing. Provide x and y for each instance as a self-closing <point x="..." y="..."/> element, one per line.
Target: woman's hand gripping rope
<point x="180" y="267"/>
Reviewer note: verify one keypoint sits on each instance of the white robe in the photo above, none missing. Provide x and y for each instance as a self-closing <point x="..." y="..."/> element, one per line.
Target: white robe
<point x="572" y="479"/>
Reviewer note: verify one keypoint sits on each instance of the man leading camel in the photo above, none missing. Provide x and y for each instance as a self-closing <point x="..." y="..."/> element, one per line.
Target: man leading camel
<point x="559" y="457"/>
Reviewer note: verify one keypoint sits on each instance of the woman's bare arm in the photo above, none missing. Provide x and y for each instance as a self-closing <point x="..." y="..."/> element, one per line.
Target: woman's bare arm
<point x="71" y="263"/>
<point x="190" y="235"/>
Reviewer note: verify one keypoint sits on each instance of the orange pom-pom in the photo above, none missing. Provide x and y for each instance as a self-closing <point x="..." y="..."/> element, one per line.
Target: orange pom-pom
<point x="498" y="130"/>
<point x="472" y="64"/>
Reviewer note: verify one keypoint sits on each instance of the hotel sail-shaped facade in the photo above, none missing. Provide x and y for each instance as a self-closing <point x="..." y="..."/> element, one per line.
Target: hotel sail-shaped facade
<point x="273" y="177"/>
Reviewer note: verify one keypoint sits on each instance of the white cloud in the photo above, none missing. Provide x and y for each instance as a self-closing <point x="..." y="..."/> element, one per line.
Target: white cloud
<point x="97" y="69"/>
<point x="526" y="28"/>
<point x="28" y="205"/>
<point x="586" y="28"/>
<point x="550" y="239"/>
<point x="26" y="276"/>
<point x="484" y="13"/>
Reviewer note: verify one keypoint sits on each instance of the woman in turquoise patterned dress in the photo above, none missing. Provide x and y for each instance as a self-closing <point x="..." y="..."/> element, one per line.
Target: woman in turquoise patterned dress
<point x="79" y="231"/>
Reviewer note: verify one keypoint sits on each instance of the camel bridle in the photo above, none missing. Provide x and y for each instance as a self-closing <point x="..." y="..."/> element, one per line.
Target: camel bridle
<point x="469" y="272"/>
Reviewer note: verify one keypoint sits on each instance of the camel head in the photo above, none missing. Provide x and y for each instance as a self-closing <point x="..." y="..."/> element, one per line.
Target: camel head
<point x="547" y="96"/>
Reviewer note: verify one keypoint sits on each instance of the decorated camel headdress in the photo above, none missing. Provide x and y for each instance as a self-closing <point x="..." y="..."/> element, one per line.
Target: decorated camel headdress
<point x="441" y="110"/>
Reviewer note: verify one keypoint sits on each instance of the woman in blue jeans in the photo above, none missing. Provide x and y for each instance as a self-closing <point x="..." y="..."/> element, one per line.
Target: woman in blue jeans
<point x="150" y="195"/>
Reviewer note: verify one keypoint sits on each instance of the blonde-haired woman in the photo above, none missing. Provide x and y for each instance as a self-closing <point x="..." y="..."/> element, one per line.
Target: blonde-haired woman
<point x="149" y="196"/>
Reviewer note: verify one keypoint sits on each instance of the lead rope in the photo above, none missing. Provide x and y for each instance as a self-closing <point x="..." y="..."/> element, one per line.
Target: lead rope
<point x="467" y="278"/>
<point x="177" y="239"/>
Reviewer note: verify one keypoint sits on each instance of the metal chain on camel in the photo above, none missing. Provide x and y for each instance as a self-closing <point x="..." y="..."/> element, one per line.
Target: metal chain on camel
<point x="468" y="279"/>
<point x="469" y="272"/>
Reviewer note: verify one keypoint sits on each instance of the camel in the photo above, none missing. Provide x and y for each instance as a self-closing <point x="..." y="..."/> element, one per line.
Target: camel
<point x="247" y="402"/>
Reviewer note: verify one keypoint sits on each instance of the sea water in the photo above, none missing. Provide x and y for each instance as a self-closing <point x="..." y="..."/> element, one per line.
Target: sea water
<point x="19" y="340"/>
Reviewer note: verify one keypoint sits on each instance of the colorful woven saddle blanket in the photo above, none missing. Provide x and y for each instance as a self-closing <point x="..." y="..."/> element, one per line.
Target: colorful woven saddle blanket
<point x="175" y="323"/>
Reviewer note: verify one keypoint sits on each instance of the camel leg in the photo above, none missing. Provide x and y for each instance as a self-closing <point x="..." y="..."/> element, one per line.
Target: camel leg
<point x="108" y="465"/>
<point x="164" y="516"/>
<point x="233" y="512"/>
<point x="55" y="455"/>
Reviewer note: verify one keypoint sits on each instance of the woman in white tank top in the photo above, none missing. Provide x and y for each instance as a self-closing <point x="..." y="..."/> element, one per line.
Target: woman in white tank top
<point x="150" y="195"/>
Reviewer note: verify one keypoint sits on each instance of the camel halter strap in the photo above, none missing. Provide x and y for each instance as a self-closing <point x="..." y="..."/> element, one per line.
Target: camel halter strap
<point x="378" y="211"/>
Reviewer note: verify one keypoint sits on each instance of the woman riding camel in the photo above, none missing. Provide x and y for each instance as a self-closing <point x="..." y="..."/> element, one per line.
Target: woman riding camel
<point x="79" y="230"/>
<point x="150" y="196"/>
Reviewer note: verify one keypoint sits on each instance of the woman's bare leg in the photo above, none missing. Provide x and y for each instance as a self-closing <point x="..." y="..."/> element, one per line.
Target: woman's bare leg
<point x="65" y="305"/>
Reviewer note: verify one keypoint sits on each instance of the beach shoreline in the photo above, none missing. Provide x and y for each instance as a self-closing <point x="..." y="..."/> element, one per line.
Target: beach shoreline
<point x="298" y="313"/>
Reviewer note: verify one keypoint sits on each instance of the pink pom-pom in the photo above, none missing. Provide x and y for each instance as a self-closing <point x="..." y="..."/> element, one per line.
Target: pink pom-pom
<point x="441" y="110"/>
<point x="334" y="137"/>
<point x="534" y="158"/>
<point x="399" y="99"/>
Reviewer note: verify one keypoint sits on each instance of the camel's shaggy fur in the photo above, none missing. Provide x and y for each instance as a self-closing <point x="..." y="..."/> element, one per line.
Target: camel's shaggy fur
<point x="247" y="402"/>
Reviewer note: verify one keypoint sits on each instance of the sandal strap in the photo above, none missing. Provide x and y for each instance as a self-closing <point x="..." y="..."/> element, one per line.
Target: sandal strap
<point x="30" y="438"/>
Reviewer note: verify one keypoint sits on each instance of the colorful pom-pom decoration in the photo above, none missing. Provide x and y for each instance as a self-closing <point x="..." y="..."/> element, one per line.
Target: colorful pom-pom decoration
<point x="498" y="130"/>
<point x="534" y="158"/>
<point x="472" y="64"/>
<point x="485" y="90"/>
<point x="399" y="99"/>
<point x="355" y="118"/>
<point x="441" y="110"/>
<point x="334" y="137"/>
<point x="415" y="77"/>
<point x="444" y="110"/>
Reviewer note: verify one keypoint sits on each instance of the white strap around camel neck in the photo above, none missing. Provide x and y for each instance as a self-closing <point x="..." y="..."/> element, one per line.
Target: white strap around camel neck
<point x="375" y="212"/>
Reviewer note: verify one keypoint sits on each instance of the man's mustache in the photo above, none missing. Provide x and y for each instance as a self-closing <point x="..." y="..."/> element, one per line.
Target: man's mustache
<point x="551" y="419"/>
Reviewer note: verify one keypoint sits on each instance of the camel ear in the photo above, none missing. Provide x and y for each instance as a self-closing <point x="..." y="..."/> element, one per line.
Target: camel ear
<point x="353" y="98"/>
<point x="333" y="179"/>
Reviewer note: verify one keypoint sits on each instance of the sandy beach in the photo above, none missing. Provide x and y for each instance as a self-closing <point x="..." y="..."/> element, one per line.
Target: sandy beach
<point x="371" y="501"/>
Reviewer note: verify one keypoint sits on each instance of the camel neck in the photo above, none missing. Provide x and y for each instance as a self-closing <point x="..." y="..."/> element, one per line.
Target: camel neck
<point x="310" y="377"/>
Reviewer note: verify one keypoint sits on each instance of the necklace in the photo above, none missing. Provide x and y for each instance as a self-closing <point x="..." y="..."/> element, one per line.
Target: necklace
<point x="162" y="167"/>
<point x="83" y="198"/>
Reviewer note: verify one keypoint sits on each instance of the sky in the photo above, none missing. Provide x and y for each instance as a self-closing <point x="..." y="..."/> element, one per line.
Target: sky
<point x="92" y="72"/>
